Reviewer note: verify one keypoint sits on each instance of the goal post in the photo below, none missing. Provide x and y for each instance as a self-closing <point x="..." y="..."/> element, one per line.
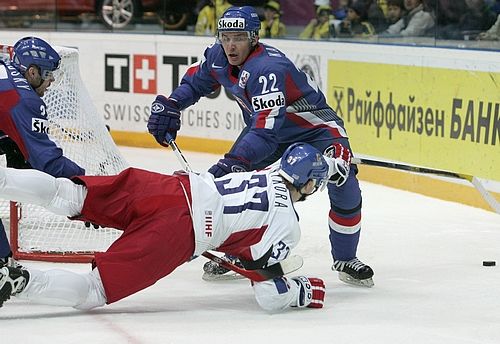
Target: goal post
<point x="76" y="126"/>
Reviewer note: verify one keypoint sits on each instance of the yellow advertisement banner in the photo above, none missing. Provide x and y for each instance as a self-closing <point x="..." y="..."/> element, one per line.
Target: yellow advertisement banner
<point x="433" y="117"/>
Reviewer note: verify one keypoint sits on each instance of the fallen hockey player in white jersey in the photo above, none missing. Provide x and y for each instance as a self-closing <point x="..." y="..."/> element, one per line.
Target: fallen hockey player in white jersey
<point x="164" y="222"/>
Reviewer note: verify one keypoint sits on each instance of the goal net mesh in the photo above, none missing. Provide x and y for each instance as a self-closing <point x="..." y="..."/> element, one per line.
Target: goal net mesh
<point x="76" y="126"/>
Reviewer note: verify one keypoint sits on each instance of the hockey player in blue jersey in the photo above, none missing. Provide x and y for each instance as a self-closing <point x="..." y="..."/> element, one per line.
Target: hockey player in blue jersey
<point x="24" y="129"/>
<point x="281" y="105"/>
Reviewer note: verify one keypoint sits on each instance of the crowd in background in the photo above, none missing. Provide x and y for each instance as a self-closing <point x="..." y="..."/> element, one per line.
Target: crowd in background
<point x="304" y="19"/>
<point x="442" y="19"/>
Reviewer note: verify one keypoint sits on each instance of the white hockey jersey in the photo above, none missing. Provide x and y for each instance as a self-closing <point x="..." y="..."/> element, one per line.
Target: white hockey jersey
<point x="244" y="214"/>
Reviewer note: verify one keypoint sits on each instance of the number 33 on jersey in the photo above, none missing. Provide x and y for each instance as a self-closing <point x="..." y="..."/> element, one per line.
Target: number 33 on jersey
<point x="218" y="219"/>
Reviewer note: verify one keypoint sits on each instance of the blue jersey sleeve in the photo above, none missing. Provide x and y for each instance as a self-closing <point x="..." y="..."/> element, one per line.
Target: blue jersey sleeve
<point x="198" y="80"/>
<point x="32" y="127"/>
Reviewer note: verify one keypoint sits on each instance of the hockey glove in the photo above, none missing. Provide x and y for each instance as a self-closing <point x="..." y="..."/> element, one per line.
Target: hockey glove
<point x="231" y="163"/>
<point x="341" y="161"/>
<point x="165" y="118"/>
<point x="311" y="293"/>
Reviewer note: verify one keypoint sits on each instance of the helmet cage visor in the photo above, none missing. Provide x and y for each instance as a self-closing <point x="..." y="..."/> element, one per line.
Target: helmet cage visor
<point x="44" y="72"/>
<point x="223" y="38"/>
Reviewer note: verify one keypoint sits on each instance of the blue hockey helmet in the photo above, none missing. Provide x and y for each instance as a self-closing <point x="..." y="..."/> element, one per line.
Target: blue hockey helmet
<point x="302" y="162"/>
<point x="30" y="51"/>
<point x="243" y="19"/>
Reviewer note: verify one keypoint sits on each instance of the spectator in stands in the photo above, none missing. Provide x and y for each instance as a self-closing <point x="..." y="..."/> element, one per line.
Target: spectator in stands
<point x="395" y="11"/>
<point x="355" y="24"/>
<point x="493" y="34"/>
<point x="494" y="5"/>
<point x="323" y="3"/>
<point x="479" y="17"/>
<point x="447" y="14"/>
<point x="340" y="11"/>
<point x="272" y="27"/>
<point x="416" y="22"/>
<point x="319" y="27"/>
<point x="207" y="18"/>
<point x="375" y="15"/>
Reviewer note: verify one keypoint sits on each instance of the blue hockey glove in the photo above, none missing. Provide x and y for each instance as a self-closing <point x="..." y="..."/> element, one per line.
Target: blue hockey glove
<point x="341" y="157"/>
<point x="165" y="118"/>
<point x="230" y="163"/>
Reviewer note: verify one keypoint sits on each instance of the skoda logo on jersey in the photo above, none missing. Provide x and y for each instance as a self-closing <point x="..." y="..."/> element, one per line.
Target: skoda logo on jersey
<point x="157" y="108"/>
<point x="39" y="125"/>
<point x="231" y="23"/>
<point x="268" y="101"/>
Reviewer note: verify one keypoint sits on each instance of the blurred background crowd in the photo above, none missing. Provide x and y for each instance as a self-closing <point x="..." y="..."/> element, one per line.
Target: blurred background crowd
<point x="433" y="22"/>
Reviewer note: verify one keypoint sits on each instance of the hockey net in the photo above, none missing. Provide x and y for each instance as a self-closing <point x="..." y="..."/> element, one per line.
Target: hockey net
<point x="76" y="126"/>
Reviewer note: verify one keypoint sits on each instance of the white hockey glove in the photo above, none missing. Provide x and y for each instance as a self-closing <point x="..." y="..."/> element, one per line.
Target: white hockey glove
<point x="339" y="163"/>
<point x="311" y="293"/>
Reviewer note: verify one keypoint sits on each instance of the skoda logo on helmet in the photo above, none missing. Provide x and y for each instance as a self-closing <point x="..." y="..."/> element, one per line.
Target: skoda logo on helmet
<point x="231" y="23"/>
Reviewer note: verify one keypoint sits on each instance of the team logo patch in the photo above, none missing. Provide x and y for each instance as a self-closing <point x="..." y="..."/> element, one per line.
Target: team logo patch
<point x="39" y="125"/>
<point x="157" y="108"/>
<point x="231" y="23"/>
<point x="244" y="79"/>
<point x="268" y="101"/>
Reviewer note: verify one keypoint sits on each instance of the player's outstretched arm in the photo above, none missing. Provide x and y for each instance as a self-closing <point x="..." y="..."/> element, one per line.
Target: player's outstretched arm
<point x="58" y="195"/>
<point x="280" y="293"/>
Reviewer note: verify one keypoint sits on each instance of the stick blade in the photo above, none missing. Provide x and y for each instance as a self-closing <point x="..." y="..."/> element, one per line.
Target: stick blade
<point x="289" y="265"/>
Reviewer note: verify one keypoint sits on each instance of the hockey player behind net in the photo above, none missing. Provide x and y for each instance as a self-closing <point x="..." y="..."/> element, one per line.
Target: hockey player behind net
<point x="24" y="137"/>
<point x="164" y="221"/>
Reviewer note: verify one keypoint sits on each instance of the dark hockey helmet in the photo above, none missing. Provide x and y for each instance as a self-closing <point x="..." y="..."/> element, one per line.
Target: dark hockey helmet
<point x="243" y="19"/>
<point x="302" y="162"/>
<point x="29" y="51"/>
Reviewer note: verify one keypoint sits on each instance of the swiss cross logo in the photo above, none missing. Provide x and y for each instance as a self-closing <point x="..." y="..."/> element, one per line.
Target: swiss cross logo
<point x="144" y="74"/>
<point x="117" y="73"/>
<point x="139" y="73"/>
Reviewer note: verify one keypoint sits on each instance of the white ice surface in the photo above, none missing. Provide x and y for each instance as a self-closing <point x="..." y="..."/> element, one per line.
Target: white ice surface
<point x="430" y="285"/>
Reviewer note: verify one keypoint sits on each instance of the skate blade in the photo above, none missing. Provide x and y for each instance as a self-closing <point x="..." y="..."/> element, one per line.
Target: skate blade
<point x="228" y="276"/>
<point x="367" y="283"/>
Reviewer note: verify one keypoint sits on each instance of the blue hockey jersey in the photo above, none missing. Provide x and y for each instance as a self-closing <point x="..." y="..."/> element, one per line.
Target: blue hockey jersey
<point x="280" y="103"/>
<point x="23" y="118"/>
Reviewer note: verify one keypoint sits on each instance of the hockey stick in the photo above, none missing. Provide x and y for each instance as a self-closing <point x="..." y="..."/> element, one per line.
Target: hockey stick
<point x="284" y="267"/>
<point x="487" y="196"/>
<point x="178" y="153"/>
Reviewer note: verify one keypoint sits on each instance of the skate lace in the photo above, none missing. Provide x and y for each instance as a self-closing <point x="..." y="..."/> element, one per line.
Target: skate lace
<point x="354" y="264"/>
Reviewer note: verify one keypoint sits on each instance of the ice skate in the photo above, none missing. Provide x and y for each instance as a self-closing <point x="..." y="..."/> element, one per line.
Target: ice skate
<point x="12" y="281"/>
<point x="354" y="272"/>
